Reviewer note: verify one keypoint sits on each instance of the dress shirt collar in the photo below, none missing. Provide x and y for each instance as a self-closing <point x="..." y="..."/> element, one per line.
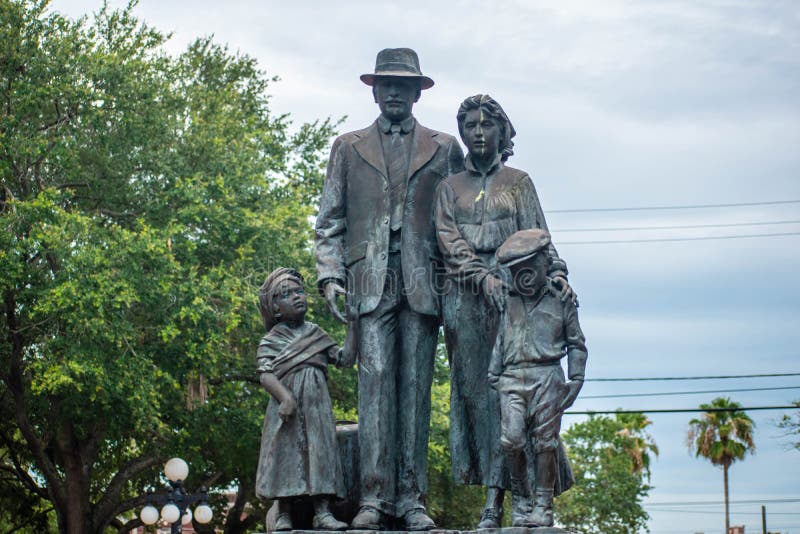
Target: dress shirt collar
<point x="496" y="165"/>
<point x="406" y="125"/>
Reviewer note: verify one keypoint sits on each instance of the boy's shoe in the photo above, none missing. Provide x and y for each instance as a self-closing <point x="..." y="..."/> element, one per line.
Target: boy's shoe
<point x="491" y="517"/>
<point x="520" y="509"/>
<point x="367" y="518"/>
<point x="542" y="514"/>
<point x="418" y="520"/>
<point x="283" y="522"/>
<point x="326" y="521"/>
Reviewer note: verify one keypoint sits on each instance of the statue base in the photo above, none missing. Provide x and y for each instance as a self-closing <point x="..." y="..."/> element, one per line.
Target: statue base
<point x="505" y="530"/>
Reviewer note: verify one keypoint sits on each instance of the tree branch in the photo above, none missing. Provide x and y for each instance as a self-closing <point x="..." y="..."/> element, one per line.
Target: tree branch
<point x="19" y="473"/>
<point x="233" y="377"/>
<point x="122" y="507"/>
<point x="127" y="527"/>
<point x="107" y="508"/>
<point x="15" y="382"/>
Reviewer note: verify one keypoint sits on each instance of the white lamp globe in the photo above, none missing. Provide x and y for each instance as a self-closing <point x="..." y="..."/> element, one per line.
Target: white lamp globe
<point x="176" y="469"/>
<point x="187" y="517"/>
<point x="149" y="515"/>
<point x="203" y="514"/>
<point x="170" y="513"/>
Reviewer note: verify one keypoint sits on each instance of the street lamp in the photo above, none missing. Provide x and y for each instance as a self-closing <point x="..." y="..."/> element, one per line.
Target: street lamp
<point x="176" y="503"/>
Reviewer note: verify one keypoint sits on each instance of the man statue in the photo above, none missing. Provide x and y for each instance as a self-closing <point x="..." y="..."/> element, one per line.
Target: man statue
<point x="375" y="242"/>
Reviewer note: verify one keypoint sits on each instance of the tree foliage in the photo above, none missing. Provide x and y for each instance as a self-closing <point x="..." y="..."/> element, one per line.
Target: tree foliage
<point x="723" y="435"/>
<point x="608" y="457"/>
<point x="451" y="505"/>
<point x="790" y="423"/>
<point x="144" y="197"/>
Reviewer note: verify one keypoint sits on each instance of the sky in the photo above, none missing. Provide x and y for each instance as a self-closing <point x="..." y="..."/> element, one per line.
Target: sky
<point x="616" y="104"/>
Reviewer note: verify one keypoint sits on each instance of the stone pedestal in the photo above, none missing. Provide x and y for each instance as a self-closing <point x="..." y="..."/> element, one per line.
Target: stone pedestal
<point x="345" y="509"/>
<point x="508" y="530"/>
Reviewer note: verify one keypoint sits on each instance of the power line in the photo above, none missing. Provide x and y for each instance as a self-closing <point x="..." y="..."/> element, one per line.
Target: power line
<point x="718" y="377"/>
<point x="715" y="512"/>
<point x="682" y="410"/>
<point x="668" y="239"/>
<point x="673" y="227"/>
<point x="704" y="503"/>
<point x="684" y="207"/>
<point x="667" y="393"/>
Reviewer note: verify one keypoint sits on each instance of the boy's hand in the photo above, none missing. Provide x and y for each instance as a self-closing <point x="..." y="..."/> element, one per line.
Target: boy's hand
<point x="287" y="408"/>
<point x="573" y="388"/>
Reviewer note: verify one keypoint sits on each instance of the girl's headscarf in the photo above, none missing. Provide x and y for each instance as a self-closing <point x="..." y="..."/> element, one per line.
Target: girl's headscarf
<point x="266" y="294"/>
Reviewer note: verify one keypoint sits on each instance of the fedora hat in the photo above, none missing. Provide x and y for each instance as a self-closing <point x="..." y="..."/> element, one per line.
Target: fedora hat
<point x="401" y="62"/>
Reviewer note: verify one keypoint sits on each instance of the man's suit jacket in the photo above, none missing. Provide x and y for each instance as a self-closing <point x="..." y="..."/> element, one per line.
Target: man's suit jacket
<point x="352" y="229"/>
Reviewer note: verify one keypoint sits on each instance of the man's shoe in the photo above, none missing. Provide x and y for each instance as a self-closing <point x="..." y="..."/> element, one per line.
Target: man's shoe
<point x="367" y="518"/>
<point x="326" y="521"/>
<point x="418" y="520"/>
<point x="283" y="522"/>
<point x="491" y="518"/>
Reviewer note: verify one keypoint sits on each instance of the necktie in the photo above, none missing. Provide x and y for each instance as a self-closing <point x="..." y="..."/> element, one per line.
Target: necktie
<point x="398" y="166"/>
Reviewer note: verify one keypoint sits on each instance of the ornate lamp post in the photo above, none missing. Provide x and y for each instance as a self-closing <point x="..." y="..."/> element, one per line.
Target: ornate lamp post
<point x="176" y="503"/>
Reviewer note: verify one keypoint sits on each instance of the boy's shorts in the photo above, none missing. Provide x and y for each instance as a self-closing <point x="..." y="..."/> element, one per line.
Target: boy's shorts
<point x="530" y="405"/>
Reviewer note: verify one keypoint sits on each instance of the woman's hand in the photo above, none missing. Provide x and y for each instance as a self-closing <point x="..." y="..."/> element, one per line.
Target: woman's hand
<point x="495" y="291"/>
<point x="287" y="408"/>
<point x="565" y="289"/>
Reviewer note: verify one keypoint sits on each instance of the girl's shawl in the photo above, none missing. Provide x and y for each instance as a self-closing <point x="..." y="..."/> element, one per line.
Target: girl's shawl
<point x="284" y="349"/>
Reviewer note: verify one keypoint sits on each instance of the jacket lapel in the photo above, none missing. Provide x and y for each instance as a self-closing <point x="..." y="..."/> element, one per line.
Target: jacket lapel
<point x="425" y="147"/>
<point x="369" y="148"/>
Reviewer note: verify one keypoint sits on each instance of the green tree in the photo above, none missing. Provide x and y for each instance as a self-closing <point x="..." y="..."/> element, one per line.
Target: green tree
<point x="791" y="424"/>
<point x="144" y="196"/>
<point x="640" y="445"/>
<point x="722" y="435"/>
<point x="608" y="457"/>
<point x="451" y="505"/>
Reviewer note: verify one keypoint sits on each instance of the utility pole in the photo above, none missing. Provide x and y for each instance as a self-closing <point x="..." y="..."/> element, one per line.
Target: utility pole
<point x="763" y="519"/>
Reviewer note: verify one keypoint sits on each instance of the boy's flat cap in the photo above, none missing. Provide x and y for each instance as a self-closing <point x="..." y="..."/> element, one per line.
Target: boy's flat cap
<point x="522" y="245"/>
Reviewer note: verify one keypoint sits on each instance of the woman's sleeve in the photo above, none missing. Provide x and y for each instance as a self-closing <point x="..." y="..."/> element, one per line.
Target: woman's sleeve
<point x="530" y="215"/>
<point x="459" y="258"/>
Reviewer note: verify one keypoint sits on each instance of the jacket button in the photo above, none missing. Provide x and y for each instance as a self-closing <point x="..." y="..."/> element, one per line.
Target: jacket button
<point x="386" y="220"/>
<point x="383" y="255"/>
<point x="385" y="187"/>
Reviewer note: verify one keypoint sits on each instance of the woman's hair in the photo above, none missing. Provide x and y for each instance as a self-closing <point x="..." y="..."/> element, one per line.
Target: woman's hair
<point x="493" y="109"/>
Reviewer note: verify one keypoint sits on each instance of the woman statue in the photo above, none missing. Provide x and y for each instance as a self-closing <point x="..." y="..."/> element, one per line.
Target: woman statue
<point x="475" y="212"/>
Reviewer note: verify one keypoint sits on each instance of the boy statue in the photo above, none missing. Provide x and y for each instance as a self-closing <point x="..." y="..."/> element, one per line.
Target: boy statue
<point x="537" y="329"/>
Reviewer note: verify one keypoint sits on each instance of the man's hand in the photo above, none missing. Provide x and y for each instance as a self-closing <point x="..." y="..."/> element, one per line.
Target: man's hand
<point x="332" y="290"/>
<point x="494" y="380"/>
<point x="495" y="291"/>
<point x="573" y="388"/>
<point x="560" y="283"/>
<point x="287" y="408"/>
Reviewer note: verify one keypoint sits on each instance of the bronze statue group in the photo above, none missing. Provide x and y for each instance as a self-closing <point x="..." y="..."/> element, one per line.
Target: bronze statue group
<point x="413" y="235"/>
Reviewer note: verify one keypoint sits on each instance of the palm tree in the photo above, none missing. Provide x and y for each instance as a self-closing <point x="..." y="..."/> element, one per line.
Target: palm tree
<point x="639" y="443"/>
<point x="722" y="435"/>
